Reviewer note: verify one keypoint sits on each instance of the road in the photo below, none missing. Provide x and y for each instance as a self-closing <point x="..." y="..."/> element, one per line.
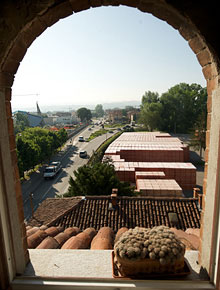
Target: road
<point x="69" y="157"/>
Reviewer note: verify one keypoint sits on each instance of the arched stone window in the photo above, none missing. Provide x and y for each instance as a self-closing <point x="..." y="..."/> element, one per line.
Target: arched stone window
<point x="21" y="22"/>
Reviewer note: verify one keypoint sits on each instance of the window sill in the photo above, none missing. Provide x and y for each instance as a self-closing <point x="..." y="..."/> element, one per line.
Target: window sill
<point x="87" y="268"/>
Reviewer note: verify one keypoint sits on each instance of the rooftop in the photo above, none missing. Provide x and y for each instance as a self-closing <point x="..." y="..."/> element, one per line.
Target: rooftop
<point x="97" y="212"/>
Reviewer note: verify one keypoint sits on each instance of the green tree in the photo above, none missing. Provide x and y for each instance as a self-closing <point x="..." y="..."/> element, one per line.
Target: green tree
<point x="198" y="133"/>
<point x="182" y="104"/>
<point x="150" y="97"/>
<point x="97" y="179"/>
<point x="99" y="112"/>
<point x="151" y="110"/>
<point x="35" y="145"/>
<point x="20" y="122"/>
<point x="84" y="114"/>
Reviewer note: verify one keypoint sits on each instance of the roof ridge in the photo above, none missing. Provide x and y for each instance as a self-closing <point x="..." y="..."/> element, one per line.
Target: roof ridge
<point x="142" y="197"/>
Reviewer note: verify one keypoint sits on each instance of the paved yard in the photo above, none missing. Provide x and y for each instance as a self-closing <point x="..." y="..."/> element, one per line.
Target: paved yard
<point x="196" y="160"/>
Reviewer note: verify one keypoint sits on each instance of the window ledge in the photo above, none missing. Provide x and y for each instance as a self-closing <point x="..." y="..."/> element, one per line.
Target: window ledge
<point x="84" y="263"/>
<point x="88" y="268"/>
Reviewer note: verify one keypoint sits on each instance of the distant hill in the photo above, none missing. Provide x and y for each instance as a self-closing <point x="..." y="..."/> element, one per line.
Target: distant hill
<point x="66" y="108"/>
<point x="121" y="105"/>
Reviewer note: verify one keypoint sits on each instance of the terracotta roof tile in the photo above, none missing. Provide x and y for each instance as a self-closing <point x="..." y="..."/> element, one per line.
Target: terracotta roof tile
<point x="50" y="208"/>
<point x="130" y="212"/>
<point x="48" y="243"/>
<point x="35" y="239"/>
<point x="104" y="240"/>
<point x="81" y="241"/>
<point x="53" y="231"/>
<point x="195" y="232"/>
<point x="61" y="238"/>
<point x="191" y="241"/>
<point x="120" y="232"/>
<point x="30" y="231"/>
<point x="72" y="231"/>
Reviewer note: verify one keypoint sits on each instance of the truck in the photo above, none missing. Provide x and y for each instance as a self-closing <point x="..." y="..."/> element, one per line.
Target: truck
<point x="52" y="169"/>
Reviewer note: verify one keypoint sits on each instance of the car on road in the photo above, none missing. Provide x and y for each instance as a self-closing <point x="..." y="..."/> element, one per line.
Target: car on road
<point x="110" y="131"/>
<point x="83" y="154"/>
<point x="52" y="169"/>
<point x="81" y="139"/>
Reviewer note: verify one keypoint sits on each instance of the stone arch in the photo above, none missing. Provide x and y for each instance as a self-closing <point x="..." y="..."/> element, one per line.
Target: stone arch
<point x="42" y="15"/>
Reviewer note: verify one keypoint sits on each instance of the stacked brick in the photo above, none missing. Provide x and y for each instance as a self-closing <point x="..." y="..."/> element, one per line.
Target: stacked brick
<point x="183" y="173"/>
<point x="149" y="147"/>
<point x="156" y="156"/>
<point x="159" y="187"/>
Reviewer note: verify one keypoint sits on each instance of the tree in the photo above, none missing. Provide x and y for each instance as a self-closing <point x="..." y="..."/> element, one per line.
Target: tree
<point x="99" y="112"/>
<point x="182" y="105"/>
<point x="97" y="179"/>
<point x="150" y="111"/>
<point x="21" y="122"/>
<point x="84" y="114"/>
<point x="198" y="134"/>
<point x="151" y="115"/>
<point x="150" y="97"/>
<point x="177" y="110"/>
<point x="35" y="145"/>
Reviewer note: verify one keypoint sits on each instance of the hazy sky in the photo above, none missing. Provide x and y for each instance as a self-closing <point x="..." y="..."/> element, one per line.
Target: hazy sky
<point x="100" y="55"/>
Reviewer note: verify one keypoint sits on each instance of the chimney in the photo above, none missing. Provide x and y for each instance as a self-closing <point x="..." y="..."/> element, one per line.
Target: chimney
<point x="196" y="192"/>
<point x="114" y="196"/>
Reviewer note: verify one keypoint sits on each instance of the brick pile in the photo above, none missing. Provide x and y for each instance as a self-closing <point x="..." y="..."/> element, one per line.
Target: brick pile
<point x="149" y="147"/>
<point x="159" y="187"/>
<point x="152" y="155"/>
<point x="183" y="173"/>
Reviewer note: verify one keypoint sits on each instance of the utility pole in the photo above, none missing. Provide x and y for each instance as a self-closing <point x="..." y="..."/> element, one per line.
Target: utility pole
<point x="31" y="203"/>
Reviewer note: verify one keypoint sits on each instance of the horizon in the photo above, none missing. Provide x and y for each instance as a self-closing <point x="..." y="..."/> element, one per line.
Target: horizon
<point x="53" y="108"/>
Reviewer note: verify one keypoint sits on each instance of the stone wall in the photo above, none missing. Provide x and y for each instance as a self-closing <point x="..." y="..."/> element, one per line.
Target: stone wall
<point x="23" y="21"/>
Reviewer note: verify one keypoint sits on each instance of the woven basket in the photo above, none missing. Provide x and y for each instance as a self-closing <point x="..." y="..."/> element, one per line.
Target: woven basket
<point x="146" y="266"/>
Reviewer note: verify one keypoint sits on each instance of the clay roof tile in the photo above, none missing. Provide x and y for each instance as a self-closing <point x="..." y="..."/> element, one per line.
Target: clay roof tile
<point x="34" y="240"/>
<point x="32" y="230"/>
<point x="48" y="243"/>
<point x="81" y="241"/>
<point x="53" y="231"/>
<point x="103" y="240"/>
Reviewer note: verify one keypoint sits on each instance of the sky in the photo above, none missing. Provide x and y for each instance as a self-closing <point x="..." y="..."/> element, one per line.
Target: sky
<point x="103" y="55"/>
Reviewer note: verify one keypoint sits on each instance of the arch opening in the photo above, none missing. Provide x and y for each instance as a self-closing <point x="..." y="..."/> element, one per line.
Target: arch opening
<point x="15" y="50"/>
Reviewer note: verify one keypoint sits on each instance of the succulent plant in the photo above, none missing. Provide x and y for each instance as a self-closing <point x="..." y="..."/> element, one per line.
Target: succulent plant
<point x="158" y="243"/>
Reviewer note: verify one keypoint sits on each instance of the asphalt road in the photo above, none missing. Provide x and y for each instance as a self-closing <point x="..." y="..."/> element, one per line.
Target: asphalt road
<point x="70" y="160"/>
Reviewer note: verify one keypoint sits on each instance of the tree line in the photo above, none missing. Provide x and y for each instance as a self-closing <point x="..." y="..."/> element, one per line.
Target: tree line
<point x="179" y="110"/>
<point x="86" y="115"/>
<point x="36" y="145"/>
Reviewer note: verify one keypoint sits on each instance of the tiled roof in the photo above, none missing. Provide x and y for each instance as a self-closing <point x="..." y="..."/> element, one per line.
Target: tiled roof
<point x="96" y="212"/>
<point x="52" y="208"/>
<point x="104" y="239"/>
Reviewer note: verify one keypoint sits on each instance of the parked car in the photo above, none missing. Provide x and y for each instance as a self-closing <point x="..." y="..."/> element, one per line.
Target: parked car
<point x="83" y="154"/>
